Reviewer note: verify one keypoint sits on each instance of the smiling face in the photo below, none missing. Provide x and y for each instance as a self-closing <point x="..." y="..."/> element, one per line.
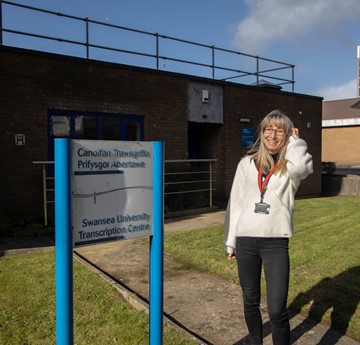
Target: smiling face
<point x="274" y="137"/>
<point x="275" y="130"/>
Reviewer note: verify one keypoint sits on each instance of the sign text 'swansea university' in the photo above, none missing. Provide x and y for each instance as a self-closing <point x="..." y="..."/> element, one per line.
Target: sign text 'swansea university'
<point x="112" y="190"/>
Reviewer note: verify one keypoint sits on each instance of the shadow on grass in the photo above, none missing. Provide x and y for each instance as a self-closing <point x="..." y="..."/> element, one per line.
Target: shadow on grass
<point x="340" y="293"/>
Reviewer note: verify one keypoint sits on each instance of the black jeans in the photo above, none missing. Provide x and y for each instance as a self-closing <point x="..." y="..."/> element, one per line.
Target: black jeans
<point x="273" y="253"/>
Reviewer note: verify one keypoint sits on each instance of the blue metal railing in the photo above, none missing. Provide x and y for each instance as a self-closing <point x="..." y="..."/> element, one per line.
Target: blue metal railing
<point x="274" y="70"/>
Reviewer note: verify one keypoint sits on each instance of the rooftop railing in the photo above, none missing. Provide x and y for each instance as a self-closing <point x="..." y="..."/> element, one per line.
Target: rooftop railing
<point x="28" y="27"/>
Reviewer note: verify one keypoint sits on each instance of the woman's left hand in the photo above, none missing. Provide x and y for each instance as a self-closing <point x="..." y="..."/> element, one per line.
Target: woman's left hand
<point x="231" y="256"/>
<point x="295" y="132"/>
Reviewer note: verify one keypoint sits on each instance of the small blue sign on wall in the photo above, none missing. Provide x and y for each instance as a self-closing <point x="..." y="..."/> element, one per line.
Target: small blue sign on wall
<point x="247" y="137"/>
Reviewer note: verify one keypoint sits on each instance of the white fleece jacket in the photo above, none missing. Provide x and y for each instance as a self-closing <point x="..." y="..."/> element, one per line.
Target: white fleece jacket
<point x="241" y="220"/>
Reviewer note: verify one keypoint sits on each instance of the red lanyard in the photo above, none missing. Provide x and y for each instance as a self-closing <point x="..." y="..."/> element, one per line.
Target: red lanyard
<point x="263" y="183"/>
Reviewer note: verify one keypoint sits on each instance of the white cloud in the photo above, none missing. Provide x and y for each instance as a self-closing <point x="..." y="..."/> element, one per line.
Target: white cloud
<point x="271" y="21"/>
<point x="347" y="90"/>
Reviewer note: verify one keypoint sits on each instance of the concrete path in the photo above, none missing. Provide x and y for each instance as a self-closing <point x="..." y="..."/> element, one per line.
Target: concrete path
<point x="203" y="306"/>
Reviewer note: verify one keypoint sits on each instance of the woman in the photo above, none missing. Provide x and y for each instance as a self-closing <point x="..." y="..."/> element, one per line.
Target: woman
<point x="261" y="223"/>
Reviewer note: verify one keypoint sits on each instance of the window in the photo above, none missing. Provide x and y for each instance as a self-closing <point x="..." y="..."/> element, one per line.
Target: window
<point x="132" y="129"/>
<point x="85" y="127"/>
<point x="80" y="125"/>
<point x="60" y="126"/>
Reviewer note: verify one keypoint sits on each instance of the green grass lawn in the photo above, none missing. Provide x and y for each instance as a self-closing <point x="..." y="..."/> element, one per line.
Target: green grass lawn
<point x="27" y="307"/>
<point x="324" y="251"/>
<point x="325" y="281"/>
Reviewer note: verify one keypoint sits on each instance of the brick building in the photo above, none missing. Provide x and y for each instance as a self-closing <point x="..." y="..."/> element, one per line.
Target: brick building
<point x="340" y="133"/>
<point x="46" y="95"/>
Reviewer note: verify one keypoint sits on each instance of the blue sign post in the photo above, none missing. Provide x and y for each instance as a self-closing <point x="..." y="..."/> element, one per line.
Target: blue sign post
<point x="157" y="249"/>
<point x="63" y="244"/>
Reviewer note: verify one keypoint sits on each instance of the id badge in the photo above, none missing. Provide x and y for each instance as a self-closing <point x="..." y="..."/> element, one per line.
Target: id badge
<point x="262" y="207"/>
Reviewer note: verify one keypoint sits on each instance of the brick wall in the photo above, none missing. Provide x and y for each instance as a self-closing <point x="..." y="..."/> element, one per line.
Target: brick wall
<point x="254" y="104"/>
<point x="32" y="83"/>
<point x="336" y="143"/>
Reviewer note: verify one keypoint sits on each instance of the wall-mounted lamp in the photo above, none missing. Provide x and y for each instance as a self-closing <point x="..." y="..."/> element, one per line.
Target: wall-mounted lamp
<point x="245" y="119"/>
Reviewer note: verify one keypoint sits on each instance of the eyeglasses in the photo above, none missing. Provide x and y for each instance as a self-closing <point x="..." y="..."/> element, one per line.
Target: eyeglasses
<point x="278" y="132"/>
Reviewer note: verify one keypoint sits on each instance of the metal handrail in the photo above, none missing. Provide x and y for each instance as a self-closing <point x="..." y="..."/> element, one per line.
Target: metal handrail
<point x="279" y="66"/>
<point x="210" y="181"/>
<point x="45" y="188"/>
<point x="208" y="172"/>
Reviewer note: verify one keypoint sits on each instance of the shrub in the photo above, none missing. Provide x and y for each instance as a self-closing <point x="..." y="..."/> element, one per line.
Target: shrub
<point x="328" y="167"/>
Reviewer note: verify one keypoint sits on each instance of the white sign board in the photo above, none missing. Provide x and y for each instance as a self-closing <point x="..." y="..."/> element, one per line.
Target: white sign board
<point x="112" y="187"/>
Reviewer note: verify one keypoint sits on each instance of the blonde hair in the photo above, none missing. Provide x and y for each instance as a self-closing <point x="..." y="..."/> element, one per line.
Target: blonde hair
<point x="260" y="154"/>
